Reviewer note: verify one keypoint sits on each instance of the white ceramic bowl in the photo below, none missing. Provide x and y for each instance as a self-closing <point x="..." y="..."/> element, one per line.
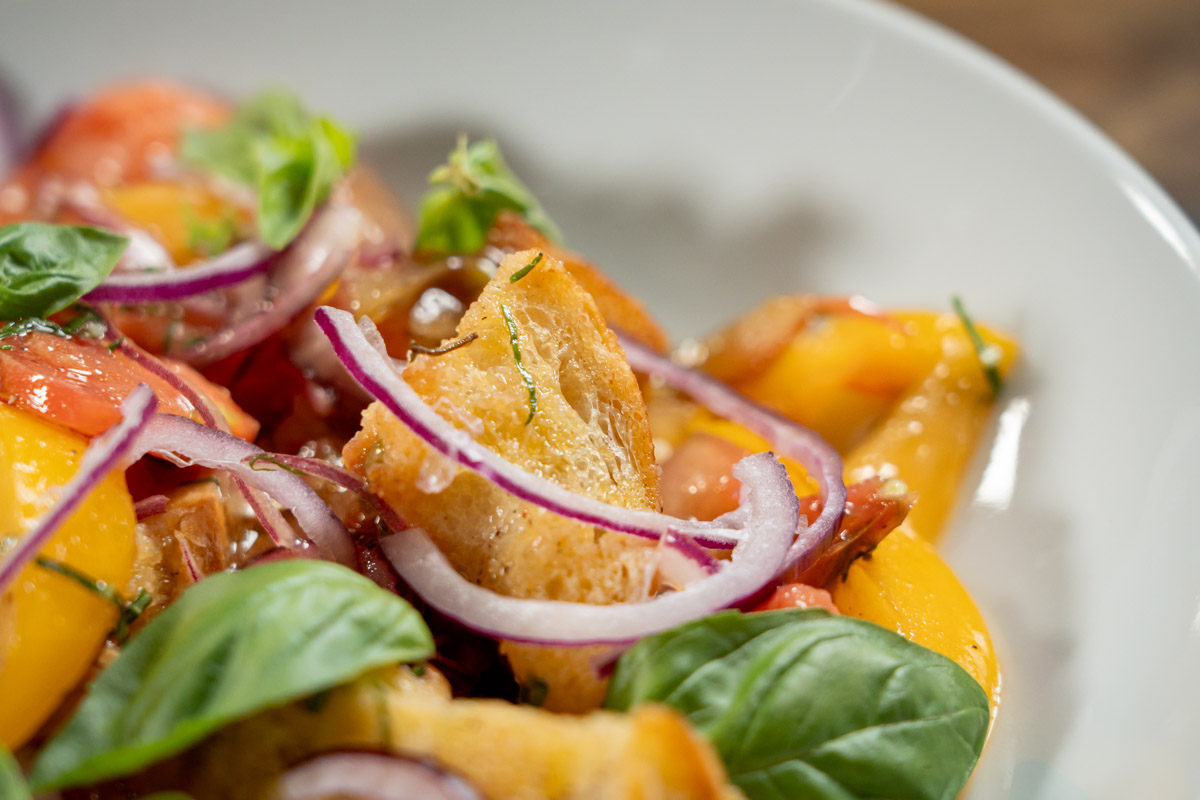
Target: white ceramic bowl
<point x="710" y="154"/>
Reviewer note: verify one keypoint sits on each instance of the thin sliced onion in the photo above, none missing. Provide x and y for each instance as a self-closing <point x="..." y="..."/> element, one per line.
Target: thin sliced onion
<point x="239" y="263"/>
<point x="372" y="776"/>
<point x="770" y="509"/>
<point x="376" y="374"/>
<point x="787" y="437"/>
<point x="303" y="271"/>
<point x="106" y="452"/>
<point x="337" y="476"/>
<point x="189" y="560"/>
<point x="682" y="562"/>
<point x="150" y="506"/>
<point x="273" y="524"/>
<point x="185" y="443"/>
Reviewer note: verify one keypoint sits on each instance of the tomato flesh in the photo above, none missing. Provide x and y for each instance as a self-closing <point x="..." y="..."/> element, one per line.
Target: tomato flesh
<point x="80" y="384"/>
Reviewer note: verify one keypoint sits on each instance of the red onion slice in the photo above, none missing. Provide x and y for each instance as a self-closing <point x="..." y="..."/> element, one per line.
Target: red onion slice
<point x="771" y="513"/>
<point x="372" y="776"/>
<point x="184" y="443"/>
<point x="303" y="271"/>
<point x="335" y="475"/>
<point x="105" y="453"/>
<point x="150" y="506"/>
<point x="682" y="562"/>
<point x="239" y="263"/>
<point x="376" y="374"/>
<point x="272" y="522"/>
<point x="787" y="437"/>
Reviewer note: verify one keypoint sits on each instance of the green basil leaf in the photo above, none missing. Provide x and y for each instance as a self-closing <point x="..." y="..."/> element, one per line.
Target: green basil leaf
<point x="45" y="268"/>
<point x="291" y="159"/>
<point x="12" y="782"/>
<point x="233" y="644"/>
<point x="803" y="704"/>
<point x="467" y="193"/>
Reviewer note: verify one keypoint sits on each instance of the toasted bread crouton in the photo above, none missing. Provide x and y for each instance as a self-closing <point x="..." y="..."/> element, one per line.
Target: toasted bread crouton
<point x="194" y="519"/>
<point x="504" y="750"/>
<point x="589" y="434"/>
<point x="510" y="232"/>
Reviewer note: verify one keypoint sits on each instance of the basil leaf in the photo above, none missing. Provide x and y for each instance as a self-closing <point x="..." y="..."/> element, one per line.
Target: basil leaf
<point x="12" y="783"/>
<point x="45" y="268"/>
<point x="467" y="193"/>
<point x="233" y="644"/>
<point x="803" y="704"/>
<point x="291" y="159"/>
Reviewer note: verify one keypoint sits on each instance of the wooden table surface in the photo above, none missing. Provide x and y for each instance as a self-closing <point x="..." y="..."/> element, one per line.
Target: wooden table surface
<point x="1131" y="66"/>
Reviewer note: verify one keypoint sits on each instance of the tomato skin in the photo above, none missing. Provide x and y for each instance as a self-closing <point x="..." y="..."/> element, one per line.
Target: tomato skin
<point x="80" y="384"/>
<point x="798" y="595"/>
<point x="114" y="136"/>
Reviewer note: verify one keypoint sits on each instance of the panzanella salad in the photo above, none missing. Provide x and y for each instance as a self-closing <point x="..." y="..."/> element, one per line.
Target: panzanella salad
<point x="302" y="497"/>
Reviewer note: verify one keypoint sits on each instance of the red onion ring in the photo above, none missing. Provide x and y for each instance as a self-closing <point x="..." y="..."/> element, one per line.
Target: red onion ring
<point x="372" y="776"/>
<point x="105" y="453"/>
<point x="185" y="443"/>
<point x="239" y="263"/>
<point x="189" y="561"/>
<point x="771" y="511"/>
<point x="682" y="562"/>
<point x="305" y="269"/>
<point x="272" y="522"/>
<point x="150" y="506"/>
<point x="376" y="374"/>
<point x="787" y="437"/>
<point x="335" y="475"/>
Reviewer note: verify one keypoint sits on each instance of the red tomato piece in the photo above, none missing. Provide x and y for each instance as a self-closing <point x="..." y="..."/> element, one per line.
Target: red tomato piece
<point x="80" y="384"/>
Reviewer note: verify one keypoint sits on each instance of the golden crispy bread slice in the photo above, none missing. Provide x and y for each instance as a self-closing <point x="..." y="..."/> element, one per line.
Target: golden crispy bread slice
<point x="504" y="750"/>
<point x="589" y="434"/>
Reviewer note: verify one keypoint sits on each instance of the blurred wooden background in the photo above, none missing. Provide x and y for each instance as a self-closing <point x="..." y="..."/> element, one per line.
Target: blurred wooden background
<point x="1131" y="66"/>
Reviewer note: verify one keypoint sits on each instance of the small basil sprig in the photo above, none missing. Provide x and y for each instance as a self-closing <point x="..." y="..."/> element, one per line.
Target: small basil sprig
<point x="290" y="158"/>
<point x="45" y="268"/>
<point x="465" y="196"/>
<point x="233" y="644"/>
<point x="12" y="783"/>
<point x="800" y="703"/>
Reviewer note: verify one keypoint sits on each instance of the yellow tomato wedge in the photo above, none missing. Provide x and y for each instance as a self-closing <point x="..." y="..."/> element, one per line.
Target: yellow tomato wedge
<point x="839" y="376"/>
<point x="929" y="437"/>
<point x="171" y="212"/>
<point x="905" y="585"/>
<point x="51" y="627"/>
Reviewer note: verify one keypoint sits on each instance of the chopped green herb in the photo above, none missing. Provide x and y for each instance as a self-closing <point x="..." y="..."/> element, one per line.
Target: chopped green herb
<point x="115" y="345"/>
<point x="533" y="693"/>
<point x="383" y="714"/>
<point x="45" y="268"/>
<point x="525" y="270"/>
<point x="289" y="157"/>
<point x="988" y="354"/>
<point x="465" y="196"/>
<point x="514" y="338"/>
<point x="271" y="460"/>
<point x="127" y="612"/>
<point x="446" y="348"/>
<point x="169" y="336"/>
<point x="21" y="327"/>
